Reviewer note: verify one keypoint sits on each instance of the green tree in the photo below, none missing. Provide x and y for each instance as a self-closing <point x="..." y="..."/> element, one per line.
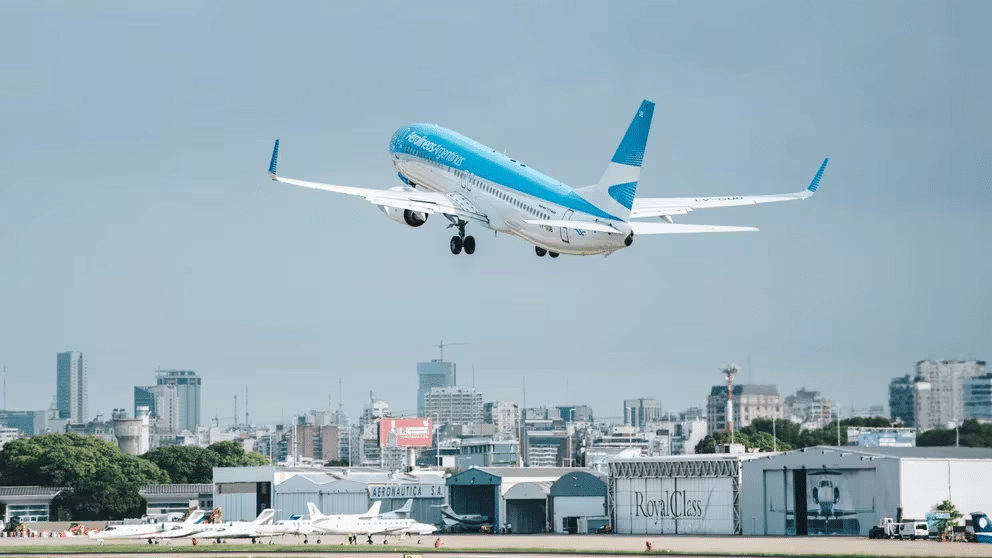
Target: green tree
<point x="97" y="480"/>
<point x="232" y="454"/>
<point x="970" y="434"/>
<point x="944" y="526"/>
<point x="185" y="464"/>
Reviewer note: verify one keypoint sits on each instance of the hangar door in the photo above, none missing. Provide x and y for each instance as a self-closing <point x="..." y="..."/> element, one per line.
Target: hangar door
<point x="527" y="507"/>
<point x="819" y="501"/>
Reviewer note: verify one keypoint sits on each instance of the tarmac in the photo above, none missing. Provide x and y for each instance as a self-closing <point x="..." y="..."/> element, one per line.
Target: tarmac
<point x="474" y="545"/>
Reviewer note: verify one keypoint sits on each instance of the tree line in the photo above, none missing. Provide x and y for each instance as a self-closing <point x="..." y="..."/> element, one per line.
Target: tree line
<point x="99" y="481"/>
<point x="790" y="435"/>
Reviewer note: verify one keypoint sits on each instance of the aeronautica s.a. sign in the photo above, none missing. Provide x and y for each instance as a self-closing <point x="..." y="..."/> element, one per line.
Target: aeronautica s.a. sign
<point x="405" y="491"/>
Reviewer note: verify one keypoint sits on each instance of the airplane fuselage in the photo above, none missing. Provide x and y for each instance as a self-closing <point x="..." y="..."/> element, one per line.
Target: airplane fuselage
<point x="506" y="191"/>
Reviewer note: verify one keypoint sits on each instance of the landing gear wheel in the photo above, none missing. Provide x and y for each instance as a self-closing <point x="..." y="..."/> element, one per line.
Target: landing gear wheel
<point x="553" y="254"/>
<point x="540" y="251"/>
<point x="456" y="245"/>
<point x="469" y="245"/>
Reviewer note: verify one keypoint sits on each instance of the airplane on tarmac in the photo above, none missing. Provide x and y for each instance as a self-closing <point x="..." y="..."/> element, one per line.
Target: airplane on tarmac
<point x="142" y="530"/>
<point x="468" y="183"/>
<point x="402" y="512"/>
<point x="472" y="521"/>
<point x="243" y="529"/>
<point x="295" y="525"/>
<point x="207" y="530"/>
<point x="369" y="523"/>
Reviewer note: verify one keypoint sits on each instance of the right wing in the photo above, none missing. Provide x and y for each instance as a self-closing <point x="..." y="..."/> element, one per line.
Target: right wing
<point x="641" y="227"/>
<point x="414" y="200"/>
<point x="666" y="207"/>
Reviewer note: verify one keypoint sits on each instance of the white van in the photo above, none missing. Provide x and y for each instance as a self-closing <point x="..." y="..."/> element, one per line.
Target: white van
<point x="914" y="530"/>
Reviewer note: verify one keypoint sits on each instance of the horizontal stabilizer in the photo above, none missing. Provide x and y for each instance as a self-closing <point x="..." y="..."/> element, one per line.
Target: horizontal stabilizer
<point x="640" y="227"/>
<point x="578" y="225"/>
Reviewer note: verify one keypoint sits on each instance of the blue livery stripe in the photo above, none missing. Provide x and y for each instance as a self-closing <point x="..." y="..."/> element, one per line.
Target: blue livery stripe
<point x="275" y="158"/>
<point x="819" y="174"/>
<point x="460" y="153"/>
<point x="624" y="193"/>
<point x="631" y="149"/>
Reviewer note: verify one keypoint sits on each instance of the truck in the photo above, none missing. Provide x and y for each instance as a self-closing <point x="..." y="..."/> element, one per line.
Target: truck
<point x="887" y="528"/>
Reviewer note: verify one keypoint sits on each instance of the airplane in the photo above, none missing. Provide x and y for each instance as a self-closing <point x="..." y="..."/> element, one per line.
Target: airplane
<point x="207" y="530"/>
<point x="399" y="513"/>
<point x="369" y="523"/>
<point x="142" y="530"/>
<point x="469" y="183"/>
<point x="295" y="525"/>
<point x="467" y="521"/>
<point x="243" y="529"/>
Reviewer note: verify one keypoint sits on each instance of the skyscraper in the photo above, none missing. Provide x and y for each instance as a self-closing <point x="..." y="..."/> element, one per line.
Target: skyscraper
<point x="71" y="391"/>
<point x="187" y="385"/>
<point x="433" y="374"/>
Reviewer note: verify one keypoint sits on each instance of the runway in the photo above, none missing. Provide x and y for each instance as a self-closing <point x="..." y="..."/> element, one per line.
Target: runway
<point x="485" y="546"/>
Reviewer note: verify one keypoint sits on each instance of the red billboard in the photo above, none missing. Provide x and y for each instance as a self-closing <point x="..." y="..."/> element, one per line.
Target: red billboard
<point x="405" y="433"/>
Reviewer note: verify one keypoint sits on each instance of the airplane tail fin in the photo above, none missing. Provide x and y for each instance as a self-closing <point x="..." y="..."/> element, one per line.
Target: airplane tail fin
<point x="374" y="510"/>
<point x="195" y="517"/>
<point x="315" y="513"/>
<point x="265" y="517"/>
<point x="615" y="191"/>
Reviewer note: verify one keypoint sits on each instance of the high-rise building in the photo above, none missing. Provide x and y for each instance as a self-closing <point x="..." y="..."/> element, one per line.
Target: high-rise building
<point x="639" y="412"/>
<point x="453" y="405"/>
<point x="902" y="400"/>
<point x="945" y="404"/>
<point x="505" y="415"/>
<point x="810" y="409"/>
<point x="71" y="390"/>
<point x="978" y="398"/>
<point x="433" y="374"/>
<point x="751" y="401"/>
<point x="187" y="384"/>
<point x="935" y="396"/>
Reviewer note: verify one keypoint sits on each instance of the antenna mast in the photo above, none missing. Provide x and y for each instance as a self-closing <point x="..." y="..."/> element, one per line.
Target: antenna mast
<point x="235" y="409"/>
<point x="730" y="371"/>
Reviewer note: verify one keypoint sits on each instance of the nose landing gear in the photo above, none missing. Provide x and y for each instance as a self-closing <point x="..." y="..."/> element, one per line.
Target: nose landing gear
<point x="542" y="251"/>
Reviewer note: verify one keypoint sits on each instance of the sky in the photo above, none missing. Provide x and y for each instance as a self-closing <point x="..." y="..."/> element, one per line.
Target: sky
<point x="138" y="226"/>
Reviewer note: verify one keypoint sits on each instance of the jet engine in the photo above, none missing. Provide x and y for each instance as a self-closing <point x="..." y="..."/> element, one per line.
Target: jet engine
<point x="406" y="217"/>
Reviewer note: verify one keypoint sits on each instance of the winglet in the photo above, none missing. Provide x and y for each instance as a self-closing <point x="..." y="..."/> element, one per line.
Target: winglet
<point x="275" y="160"/>
<point x="816" y="179"/>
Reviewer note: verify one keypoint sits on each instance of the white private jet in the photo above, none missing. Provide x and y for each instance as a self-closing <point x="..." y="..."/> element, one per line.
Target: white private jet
<point x="143" y="530"/>
<point x="242" y="529"/>
<point x="295" y="525"/>
<point x="468" y="183"/>
<point x="208" y="530"/>
<point x="369" y="523"/>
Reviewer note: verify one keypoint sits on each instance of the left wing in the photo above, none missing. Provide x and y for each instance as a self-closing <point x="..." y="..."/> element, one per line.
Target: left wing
<point x="666" y="207"/>
<point x="414" y="200"/>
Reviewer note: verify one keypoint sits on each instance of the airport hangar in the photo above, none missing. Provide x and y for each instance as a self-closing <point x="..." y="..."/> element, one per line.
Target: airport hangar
<point x="835" y="490"/>
<point x="243" y="492"/>
<point x="532" y="499"/>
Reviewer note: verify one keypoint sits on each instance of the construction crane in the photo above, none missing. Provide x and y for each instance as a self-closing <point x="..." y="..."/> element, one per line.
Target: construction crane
<point x="442" y="345"/>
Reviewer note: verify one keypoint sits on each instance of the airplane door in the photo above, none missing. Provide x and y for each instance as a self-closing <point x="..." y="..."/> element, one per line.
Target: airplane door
<point x="564" y="231"/>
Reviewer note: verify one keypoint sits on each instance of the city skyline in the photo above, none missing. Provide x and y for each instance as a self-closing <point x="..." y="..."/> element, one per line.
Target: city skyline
<point x="141" y="229"/>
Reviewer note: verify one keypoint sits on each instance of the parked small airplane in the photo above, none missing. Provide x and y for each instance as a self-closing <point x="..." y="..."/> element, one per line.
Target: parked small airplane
<point x="472" y="521"/>
<point x="143" y="530"/>
<point x="369" y="523"/>
<point x="295" y="525"/>
<point x="243" y="529"/>
<point x="982" y="526"/>
<point x="207" y="530"/>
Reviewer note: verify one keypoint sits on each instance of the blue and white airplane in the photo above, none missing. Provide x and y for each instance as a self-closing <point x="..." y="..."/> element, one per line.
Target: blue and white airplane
<point x="447" y="173"/>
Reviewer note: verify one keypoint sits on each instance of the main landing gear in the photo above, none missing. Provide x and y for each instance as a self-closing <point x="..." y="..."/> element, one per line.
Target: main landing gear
<point x="541" y="252"/>
<point x="460" y="242"/>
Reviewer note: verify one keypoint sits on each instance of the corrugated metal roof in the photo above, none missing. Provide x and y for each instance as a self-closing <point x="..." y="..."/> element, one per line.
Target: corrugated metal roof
<point x="913" y="453"/>
<point x="39" y="491"/>
<point x="177" y="489"/>
<point x="511" y="472"/>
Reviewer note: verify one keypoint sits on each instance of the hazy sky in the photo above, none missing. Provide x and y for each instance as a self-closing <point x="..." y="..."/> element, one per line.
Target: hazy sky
<point x="137" y="223"/>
